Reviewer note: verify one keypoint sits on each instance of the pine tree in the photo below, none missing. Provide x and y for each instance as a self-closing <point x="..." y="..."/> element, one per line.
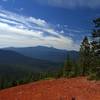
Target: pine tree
<point x="95" y="48"/>
<point x="96" y="37"/>
<point x="85" y="56"/>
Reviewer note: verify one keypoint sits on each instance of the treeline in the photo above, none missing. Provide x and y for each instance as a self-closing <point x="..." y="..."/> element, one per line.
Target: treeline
<point x="7" y="81"/>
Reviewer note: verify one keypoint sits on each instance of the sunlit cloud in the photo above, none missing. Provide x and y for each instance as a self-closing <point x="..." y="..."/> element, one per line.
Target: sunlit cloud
<point x="22" y="31"/>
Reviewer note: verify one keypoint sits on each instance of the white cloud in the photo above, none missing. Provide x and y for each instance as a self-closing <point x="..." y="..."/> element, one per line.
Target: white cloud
<point x="72" y="3"/>
<point x="37" y="21"/>
<point x="18" y="30"/>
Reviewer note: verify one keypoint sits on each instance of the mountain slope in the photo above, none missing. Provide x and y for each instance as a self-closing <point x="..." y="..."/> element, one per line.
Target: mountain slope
<point x="61" y="89"/>
<point x="13" y="64"/>
<point x="16" y="68"/>
<point x="46" y="53"/>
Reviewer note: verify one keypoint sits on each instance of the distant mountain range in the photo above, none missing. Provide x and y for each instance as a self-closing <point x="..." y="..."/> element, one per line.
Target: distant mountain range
<point x="13" y="64"/>
<point x="8" y="57"/>
<point x="45" y="53"/>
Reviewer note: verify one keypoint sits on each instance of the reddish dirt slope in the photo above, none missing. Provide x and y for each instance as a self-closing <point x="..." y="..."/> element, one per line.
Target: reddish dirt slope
<point x="61" y="89"/>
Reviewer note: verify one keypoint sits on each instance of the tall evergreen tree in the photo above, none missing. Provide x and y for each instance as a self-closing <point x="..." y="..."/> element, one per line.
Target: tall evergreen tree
<point x="96" y="37"/>
<point x="85" y="56"/>
<point x="95" y="48"/>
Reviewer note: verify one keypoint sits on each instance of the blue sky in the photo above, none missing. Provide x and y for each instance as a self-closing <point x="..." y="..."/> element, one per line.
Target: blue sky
<point x="58" y="23"/>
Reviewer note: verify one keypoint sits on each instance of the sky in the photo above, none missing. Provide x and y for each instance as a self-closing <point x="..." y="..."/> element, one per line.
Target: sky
<point x="60" y="24"/>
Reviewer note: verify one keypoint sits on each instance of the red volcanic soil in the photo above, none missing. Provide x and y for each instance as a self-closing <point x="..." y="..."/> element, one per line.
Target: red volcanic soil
<point x="60" y="89"/>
